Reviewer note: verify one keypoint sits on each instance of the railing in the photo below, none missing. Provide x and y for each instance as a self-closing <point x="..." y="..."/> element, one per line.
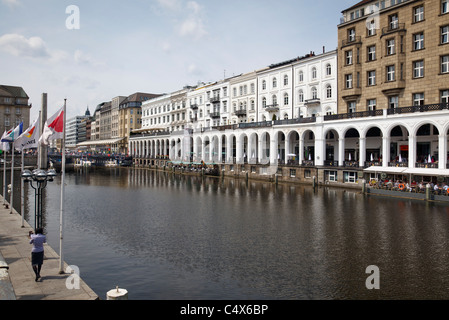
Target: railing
<point x="214" y="99"/>
<point x="431" y="165"/>
<point x="347" y="42"/>
<point x="308" y="163"/>
<point x="272" y="108"/>
<point x="393" y="27"/>
<point x="294" y="121"/>
<point x="422" y="108"/>
<point x="240" y="112"/>
<point x="351" y="164"/>
<point x="351" y="115"/>
<point x="331" y="163"/>
<point x="403" y="164"/>
<point x="226" y="127"/>
<point x="214" y="114"/>
<point x="255" y="124"/>
<point x="194" y="106"/>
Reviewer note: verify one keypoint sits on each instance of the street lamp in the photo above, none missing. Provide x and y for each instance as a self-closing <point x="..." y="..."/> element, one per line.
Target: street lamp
<point x="40" y="178"/>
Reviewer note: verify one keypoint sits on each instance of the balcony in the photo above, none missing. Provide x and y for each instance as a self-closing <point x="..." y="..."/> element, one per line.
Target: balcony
<point x="272" y="108"/>
<point x="215" y="99"/>
<point x="214" y="114"/>
<point x="240" y="113"/>
<point x="351" y="41"/>
<point x="194" y="106"/>
<point x="312" y="102"/>
<point x="393" y="27"/>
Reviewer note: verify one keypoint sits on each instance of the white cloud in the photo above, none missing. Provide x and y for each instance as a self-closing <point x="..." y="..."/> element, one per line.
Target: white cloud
<point x="84" y="59"/>
<point x="33" y="47"/>
<point x="170" y="4"/>
<point x="193" y="25"/>
<point x="11" y="3"/>
<point x="18" y="45"/>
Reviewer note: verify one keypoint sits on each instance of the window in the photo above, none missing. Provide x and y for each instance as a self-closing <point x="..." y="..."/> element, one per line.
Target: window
<point x="444" y="96"/>
<point x="371" y="104"/>
<point x="332" y="176"/>
<point x="418" y="99"/>
<point x="285" y="99"/>
<point x="351" y="106"/>
<point x="350" y="177"/>
<point x="393" y="21"/>
<point x="418" y="69"/>
<point x="328" y="70"/>
<point x="314" y="93"/>
<point x="418" y="14"/>
<point x="393" y="102"/>
<point x="7" y="124"/>
<point x="285" y="80"/>
<point x="292" y="173"/>
<point x="329" y="91"/>
<point x="371" y="53"/>
<point x="313" y="73"/>
<point x="264" y="85"/>
<point x="391" y="73"/>
<point x="275" y="82"/>
<point x="351" y="35"/>
<point x="418" y="41"/>
<point x="274" y="100"/>
<point x="444" y="34"/>
<point x="444" y="6"/>
<point x="301" y="76"/>
<point x="348" y="81"/>
<point x="390" y="47"/>
<point x="445" y="64"/>
<point x="371" y="78"/>
<point x="348" y="57"/>
<point x="371" y="28"/>
<point x="301" y="96"/>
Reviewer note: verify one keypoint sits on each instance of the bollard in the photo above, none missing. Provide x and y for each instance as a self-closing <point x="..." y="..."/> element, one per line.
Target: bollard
<point x="428" y="192"/>
<point x="314" y="182"/>
<point x="117" y="294"/>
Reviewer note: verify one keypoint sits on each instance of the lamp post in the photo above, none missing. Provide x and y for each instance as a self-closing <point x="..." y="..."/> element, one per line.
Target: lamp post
<point x="38" y="181"/>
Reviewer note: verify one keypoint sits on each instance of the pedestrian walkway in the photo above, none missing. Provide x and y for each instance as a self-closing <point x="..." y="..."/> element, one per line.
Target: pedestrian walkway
<point x="15" y="250"/>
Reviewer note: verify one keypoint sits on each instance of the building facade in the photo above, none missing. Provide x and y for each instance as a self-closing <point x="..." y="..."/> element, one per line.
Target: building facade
<point x="393" y="54"/>
<point x="14" y="107"/>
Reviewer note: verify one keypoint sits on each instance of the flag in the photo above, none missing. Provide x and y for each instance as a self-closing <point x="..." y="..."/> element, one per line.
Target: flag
<point x="53" y="128"/>
<point x="13" y="134"/>
<point x="4" y="146"/>
<point x="29" y="138"/>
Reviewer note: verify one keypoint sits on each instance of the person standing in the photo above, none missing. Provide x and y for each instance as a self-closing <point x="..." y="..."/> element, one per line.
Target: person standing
<point x="37" y="252"/>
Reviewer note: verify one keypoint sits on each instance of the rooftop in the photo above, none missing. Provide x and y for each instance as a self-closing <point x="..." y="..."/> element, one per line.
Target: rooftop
<point x="11" y="91"/>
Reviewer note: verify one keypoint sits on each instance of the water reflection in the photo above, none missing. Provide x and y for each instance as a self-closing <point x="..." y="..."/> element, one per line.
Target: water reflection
<point x="193" y="237"/>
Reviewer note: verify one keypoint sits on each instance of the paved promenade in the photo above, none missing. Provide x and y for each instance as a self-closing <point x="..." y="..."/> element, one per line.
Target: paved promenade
<point x="15" y="250"/>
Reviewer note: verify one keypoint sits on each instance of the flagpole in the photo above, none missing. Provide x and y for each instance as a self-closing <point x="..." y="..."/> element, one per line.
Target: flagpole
<point x="61" y="212"/>
<point x="12" y="177"/>
<point x="4" y="178"/>
<point x="22" y="195"/>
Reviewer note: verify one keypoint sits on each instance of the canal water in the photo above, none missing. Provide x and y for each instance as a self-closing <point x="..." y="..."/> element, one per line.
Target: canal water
<point x="165" y="236"/>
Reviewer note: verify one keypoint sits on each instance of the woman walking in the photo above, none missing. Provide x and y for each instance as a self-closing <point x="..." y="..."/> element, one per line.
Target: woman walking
<point x="37" y="252"/>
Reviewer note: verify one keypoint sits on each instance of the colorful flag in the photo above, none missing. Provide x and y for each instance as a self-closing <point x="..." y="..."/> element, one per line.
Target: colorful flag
<point x="53" y="128"/>
<point x="4" y="146"/>
<point x="13" y="134"/>
<point x="29" y="138"/>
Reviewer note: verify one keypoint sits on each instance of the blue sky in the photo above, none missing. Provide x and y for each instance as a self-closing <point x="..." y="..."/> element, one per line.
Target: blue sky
<point x="154" y="46"/>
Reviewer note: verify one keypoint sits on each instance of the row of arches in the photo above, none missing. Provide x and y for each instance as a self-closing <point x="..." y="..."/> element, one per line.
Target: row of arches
<point x="389" y="144"/>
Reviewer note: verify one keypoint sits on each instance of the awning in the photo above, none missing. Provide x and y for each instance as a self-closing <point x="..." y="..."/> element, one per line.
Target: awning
<point x="99" y="142"/>
<point x="405" y="170"/>
<point x="394" y="170"/>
